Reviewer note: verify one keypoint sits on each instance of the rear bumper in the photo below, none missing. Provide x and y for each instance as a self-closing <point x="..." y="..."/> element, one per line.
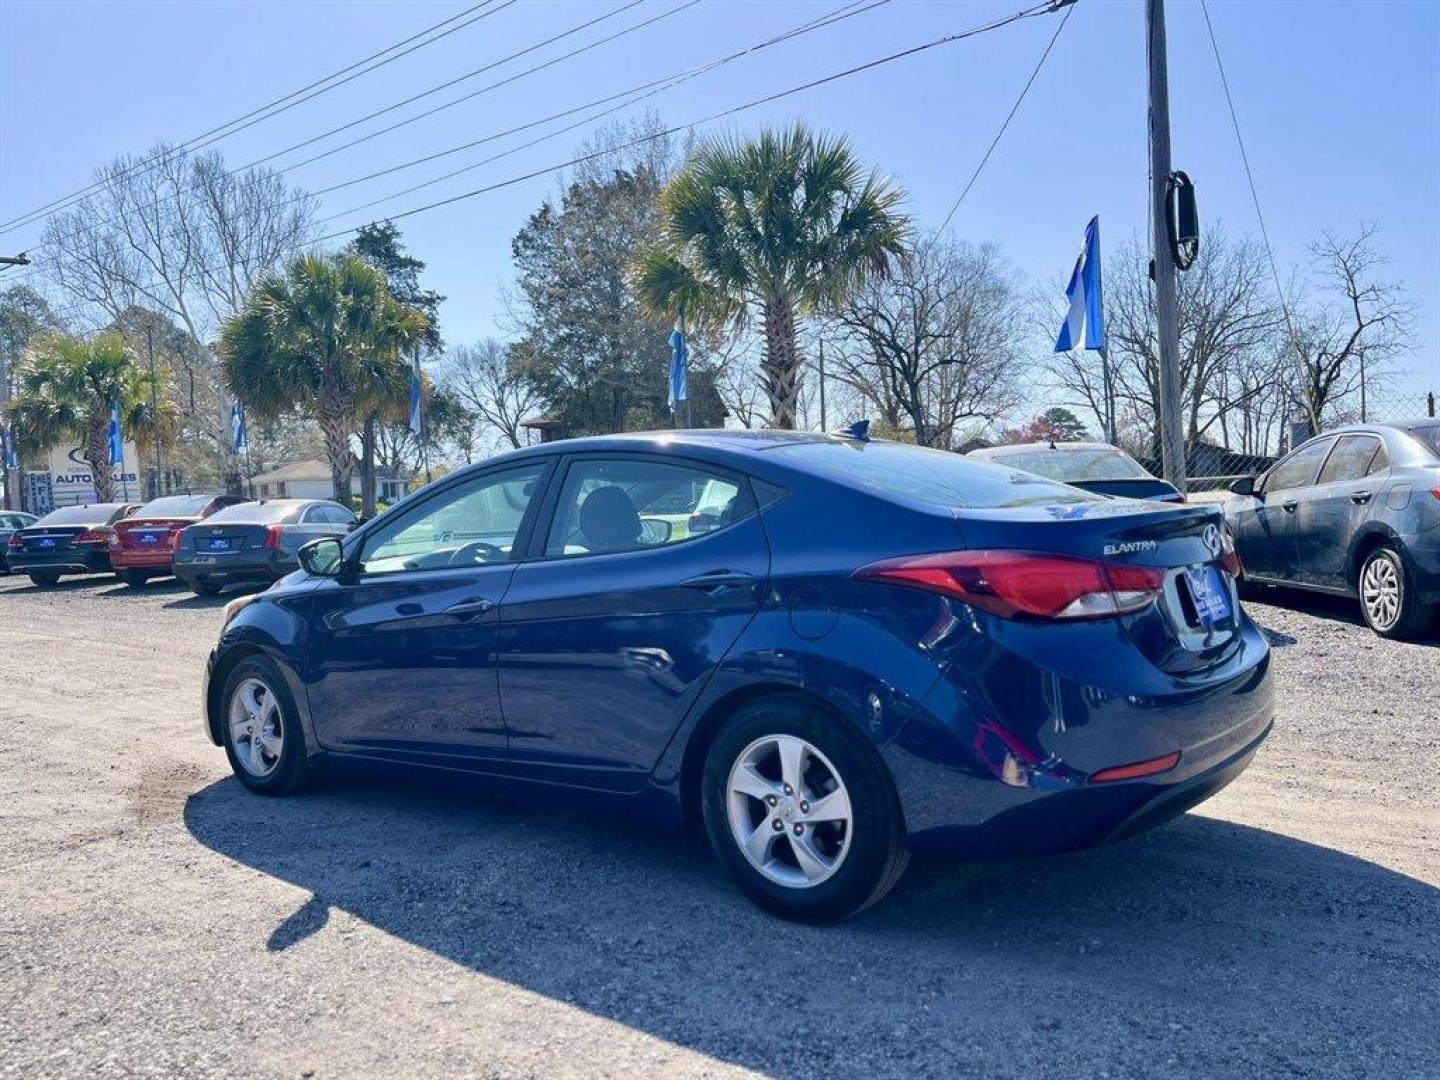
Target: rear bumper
<point x="132" y="559"/>
<point x="238" y="566"/>
<point x="992" y="776"/>
<point x="60" y="562"/>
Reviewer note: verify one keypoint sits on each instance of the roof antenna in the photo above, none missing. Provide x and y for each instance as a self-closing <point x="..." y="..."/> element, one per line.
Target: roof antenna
<point x="859" y="431"/>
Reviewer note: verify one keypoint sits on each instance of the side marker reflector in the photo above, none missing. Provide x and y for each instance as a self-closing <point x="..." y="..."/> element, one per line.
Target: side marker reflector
<point x="1137" y="769"/>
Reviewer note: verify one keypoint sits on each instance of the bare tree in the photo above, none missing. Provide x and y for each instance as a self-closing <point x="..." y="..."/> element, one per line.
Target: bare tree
<point x="937" y="343"/>
<point x="1354" y="324"/>
<point x="485" y="381"/>
<point x="177" y="233"/>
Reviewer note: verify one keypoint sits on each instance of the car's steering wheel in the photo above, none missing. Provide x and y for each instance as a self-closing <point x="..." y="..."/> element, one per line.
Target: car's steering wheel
<point x="465" y="556"/>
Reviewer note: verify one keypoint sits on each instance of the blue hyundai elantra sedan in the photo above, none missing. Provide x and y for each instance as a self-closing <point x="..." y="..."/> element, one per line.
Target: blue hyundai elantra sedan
<point x="827" y="651"/>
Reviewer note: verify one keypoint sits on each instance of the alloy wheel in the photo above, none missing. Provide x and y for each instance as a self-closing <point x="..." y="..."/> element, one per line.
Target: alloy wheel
<point x="788" y="810"/>
<point x="1380" y="591"/>
<point x="256" y="728"/>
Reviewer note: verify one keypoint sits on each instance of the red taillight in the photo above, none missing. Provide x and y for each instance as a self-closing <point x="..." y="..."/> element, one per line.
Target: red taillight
<point x="272" y="537"/>
<point x="1024" y="584"/>
<point x="175" y="539"/>
<point x="1435" y="492"/>
<point x="94" y="536"/>
<point x="1136" y="770"/>
<point x="1229" y="557"/>
<point x="15" y="541"/>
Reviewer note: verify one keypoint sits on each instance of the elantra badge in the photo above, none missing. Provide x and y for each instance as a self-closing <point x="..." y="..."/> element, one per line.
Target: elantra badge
<point x="1130" y="547"/>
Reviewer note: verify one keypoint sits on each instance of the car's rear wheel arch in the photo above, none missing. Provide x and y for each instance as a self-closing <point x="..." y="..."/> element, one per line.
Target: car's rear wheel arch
<point x="719" y="713"/>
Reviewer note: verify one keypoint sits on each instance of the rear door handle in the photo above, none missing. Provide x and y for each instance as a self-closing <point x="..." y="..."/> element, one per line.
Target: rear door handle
<point x="475" y="605"/>
<point x="1359" y="498"/>
<point x="717" y="581"/>
<point x="1289" y="507"/>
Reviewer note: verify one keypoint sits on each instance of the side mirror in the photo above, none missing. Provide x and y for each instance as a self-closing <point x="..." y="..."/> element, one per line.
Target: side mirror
<point x="655" y="531"/>
<point x="322" y="557"/>
<point x="1244" y="486"/>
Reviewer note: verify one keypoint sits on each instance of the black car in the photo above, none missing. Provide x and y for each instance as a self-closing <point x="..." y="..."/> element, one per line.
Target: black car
<point x="1354" y="512"/>
<point x="1093" y="466"/>
<point x="71" y="540"/>
<point x="10" y="520"/>
<point x="254" y="541"/>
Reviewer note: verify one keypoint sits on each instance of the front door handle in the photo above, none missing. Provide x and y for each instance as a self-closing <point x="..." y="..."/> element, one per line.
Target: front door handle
<point x="717" y="581"/>
<point x="475" y="605"/>
<point x="1360" y="498"/>
<point x="1289" y="507"/>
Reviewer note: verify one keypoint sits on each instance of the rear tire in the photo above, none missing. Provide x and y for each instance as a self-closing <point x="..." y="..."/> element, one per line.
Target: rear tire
<point x="201" y="587"/>
<point x="840" y="867"/>
<point x="260" y="729"/>
<point x="133" y="578"/>
<point x="1388" y="599"/>
<point x="45" y="581"/>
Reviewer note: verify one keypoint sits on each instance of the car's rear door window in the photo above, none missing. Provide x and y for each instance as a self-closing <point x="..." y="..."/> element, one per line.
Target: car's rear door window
<point x="630" y="504"/>
<point x="1351" y="458"/>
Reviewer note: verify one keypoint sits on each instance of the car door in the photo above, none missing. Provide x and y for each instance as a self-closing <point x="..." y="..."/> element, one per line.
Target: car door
<point x="609" y="632"/>
<point x="1329" y="512"/>
<point x="1267" y="542"/>
<point x="403" y="642"/>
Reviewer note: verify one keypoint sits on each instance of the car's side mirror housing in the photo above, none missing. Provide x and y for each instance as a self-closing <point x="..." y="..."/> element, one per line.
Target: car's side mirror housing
<point x="655" y="531"/>
<point x="323" y="557"/>
<point x="1244" y="486"/>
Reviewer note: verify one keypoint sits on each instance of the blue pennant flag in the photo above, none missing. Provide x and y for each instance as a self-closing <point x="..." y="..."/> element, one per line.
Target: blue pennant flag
<point x="7" y="450"/>
<point x="679" y="355"/>
<point x="239" y="437"/>
<point x="117" y="447"/>
<point x="417" y="420"/>
<point x="1085" y="321"/>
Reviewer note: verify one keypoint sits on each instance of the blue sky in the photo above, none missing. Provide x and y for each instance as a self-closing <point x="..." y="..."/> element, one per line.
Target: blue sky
<point x="1339" y="103"/>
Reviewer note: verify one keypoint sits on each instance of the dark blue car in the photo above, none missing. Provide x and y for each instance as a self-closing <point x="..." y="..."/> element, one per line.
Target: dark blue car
<point x="827" y="650"/>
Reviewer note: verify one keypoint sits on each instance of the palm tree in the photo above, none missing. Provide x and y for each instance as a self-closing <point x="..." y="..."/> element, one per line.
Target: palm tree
<point x="65" y="390"/>
<point x="780" y="225"/>
<point x="322" y="339"/>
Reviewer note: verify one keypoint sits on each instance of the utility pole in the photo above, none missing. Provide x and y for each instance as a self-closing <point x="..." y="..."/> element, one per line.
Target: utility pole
<point x="12" y="497"/>
<point x="1172" y="436"/>
<point x="154" y="408"/>
<point x="824" y="420"/>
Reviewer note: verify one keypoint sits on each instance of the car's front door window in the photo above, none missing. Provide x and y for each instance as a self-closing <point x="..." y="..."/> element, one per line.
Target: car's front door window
<point x="1298" y="470"/>
<point x="471" y="524"/>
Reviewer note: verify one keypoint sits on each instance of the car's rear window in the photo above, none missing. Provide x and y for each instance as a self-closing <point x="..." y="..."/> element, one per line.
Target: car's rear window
<point x="175" y="506"/>
<point x="256" y="513"/>
<point x="933" y="476"/>
<point x="1069" y="466"/>
<point x="1429" y="434"/>
<point x="97" y="514"/>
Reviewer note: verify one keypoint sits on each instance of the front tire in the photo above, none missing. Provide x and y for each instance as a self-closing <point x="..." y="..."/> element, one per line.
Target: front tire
<point x="133" y="578"/>
<point x="802" y="811"/>
<point x="261" y="730"/>
<point x="45" y="581"/>
<point x="1388" y="599"/>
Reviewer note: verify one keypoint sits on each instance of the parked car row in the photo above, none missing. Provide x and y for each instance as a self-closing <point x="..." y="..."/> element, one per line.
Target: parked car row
<point x="207" y="541"/>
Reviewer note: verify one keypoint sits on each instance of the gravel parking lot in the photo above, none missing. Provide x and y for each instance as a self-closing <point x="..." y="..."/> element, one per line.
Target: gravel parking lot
<point x="157" y="920"/>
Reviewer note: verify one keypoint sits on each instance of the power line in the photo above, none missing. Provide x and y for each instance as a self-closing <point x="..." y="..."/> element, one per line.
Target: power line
<point x="1070" y="5"/>
<point x="1026" y="13"/>
<point x="505" y="59"/>
<point x="195" y="141"/>
<point x="1250" y="179"/>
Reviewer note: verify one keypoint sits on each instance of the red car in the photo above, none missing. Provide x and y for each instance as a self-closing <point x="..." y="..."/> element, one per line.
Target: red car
<point x="143" y="546"/>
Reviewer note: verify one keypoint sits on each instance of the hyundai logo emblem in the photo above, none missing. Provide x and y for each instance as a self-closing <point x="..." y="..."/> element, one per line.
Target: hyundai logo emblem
<point x="1211" y="539"/>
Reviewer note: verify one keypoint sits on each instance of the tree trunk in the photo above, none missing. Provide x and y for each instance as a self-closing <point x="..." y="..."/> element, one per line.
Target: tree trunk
<point x="367" y="465"/>
<point x="97" y="454"/>
<point x="780" y="367"/>
<point x="337" y="452"/>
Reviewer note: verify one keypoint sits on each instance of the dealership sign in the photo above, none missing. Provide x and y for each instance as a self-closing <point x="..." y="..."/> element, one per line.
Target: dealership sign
<point x="72" y="483"/>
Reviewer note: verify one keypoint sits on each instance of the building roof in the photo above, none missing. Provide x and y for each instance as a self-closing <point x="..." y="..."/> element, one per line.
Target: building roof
<point x="296" y="470"/>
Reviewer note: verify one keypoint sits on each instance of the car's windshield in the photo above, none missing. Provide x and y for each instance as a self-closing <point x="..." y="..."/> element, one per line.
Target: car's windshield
<point x="256" y="513"/>
<point x="175" y="506"/>
<point x="1069" y="466"/>
<point x="1429" y="434"/>
<point x="934" y="476"/>
<point x="97" y="514"/>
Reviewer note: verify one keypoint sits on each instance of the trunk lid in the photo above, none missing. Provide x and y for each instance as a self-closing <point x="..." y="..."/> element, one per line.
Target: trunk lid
<point x="224" y="538"/>
<point x="45" y="539"/>
<point x="149" y="534"/>
<point x="1195" y="621"/>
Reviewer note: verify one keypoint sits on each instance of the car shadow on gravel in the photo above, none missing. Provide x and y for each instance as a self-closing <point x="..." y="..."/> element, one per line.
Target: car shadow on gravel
<point x="1338" y="609"/>
<point x="1248" y="950"/>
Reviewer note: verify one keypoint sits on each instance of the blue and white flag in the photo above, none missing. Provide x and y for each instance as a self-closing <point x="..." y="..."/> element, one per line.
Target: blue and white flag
<point x="679" y="389"/>
<point x="8" y="454"/>
<point x="417" y="422"/>
<point x="1084" y="325"/>
<point x="239" y="437"/>
<point x="117" y="447"/>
